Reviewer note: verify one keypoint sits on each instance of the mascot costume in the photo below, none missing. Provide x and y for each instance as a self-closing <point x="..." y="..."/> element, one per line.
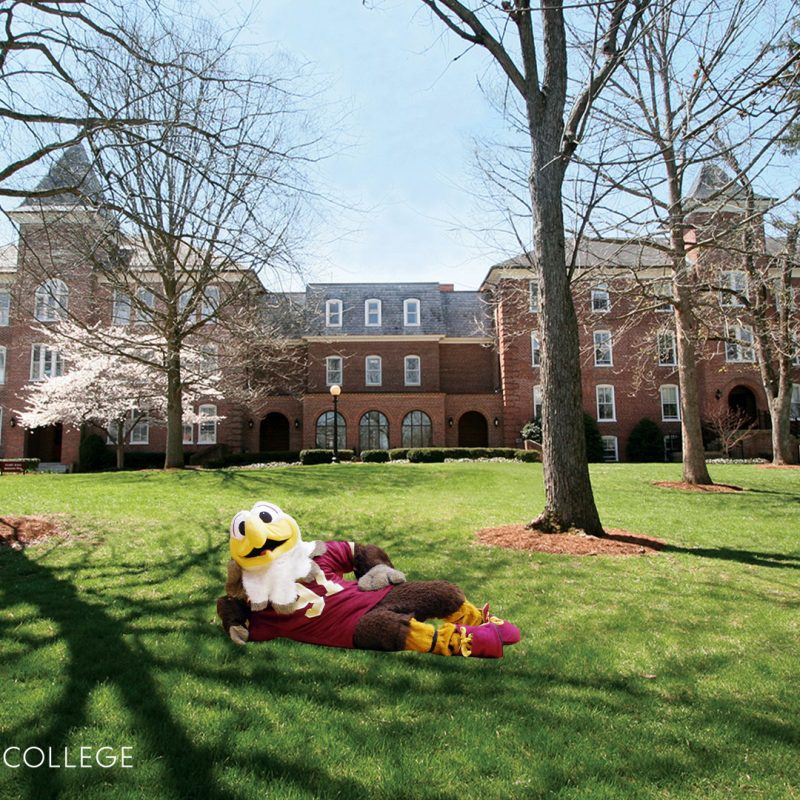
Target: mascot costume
<point x="282" y="587"/>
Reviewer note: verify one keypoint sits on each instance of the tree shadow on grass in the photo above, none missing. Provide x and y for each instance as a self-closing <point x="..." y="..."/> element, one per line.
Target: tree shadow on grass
<point x="100" y="654"/>
<point x="754" y="557"/>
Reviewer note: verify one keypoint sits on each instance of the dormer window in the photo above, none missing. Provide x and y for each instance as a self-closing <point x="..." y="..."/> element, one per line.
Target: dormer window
<point x="411" y="312"/>
<point x="333" y="313"/>
<point x="372" y="313"/>
<point x="50" y="301"/>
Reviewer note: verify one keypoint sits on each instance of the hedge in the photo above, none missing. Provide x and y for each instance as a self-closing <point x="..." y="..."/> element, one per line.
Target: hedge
<point x="317" y="456"/>
<point x="375" y="456"/>
<point x="435" y="455"/>
<point x="264" y="457"/>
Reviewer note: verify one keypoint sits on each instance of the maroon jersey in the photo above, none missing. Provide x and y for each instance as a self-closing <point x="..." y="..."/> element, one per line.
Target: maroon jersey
<point x="334" y="627"/>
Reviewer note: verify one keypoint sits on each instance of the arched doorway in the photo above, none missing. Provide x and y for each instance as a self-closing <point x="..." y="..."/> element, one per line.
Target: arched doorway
<point x="741" y="400"/>
<point x="473" y="430"/>
<point x="44" y="443"/>
<point x="273" y="434"/>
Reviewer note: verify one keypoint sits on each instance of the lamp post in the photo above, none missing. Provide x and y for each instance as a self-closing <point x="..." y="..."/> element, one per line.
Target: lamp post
<point x="336" y="390"/>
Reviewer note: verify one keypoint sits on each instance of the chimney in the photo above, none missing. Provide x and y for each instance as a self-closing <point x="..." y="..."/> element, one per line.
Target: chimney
<point x="446" y="287"/>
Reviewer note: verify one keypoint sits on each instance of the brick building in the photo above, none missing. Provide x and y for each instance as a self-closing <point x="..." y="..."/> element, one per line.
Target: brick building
<point x="418" y="363"/>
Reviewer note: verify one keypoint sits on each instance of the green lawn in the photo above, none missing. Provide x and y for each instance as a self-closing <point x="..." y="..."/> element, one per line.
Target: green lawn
<point x="669" y="676"/>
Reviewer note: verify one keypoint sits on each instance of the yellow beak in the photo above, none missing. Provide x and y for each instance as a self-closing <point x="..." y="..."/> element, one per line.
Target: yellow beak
<point x="264" y="542"/>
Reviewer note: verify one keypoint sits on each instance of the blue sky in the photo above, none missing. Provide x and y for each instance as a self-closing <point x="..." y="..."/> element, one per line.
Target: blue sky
<point x="404" y="164"/>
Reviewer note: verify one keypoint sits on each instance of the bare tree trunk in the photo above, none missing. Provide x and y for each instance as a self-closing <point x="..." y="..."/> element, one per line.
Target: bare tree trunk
<point x="694" y="458"/>
<point x="568" y="490"/>
<point x="174" y="454"/>
<point x="120" y="445"/>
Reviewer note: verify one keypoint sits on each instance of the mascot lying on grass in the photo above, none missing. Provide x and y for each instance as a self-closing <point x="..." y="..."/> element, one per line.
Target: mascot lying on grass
<point x="282" y="587"/>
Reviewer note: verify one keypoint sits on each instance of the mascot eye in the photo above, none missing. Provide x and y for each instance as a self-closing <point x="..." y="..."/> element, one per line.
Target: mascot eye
<point x="267" y="512"/>
<point x="238" y="525"/>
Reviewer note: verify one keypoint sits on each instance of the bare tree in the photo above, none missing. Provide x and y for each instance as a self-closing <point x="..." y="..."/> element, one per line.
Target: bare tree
<point x="47" y="98"/>
<point x="192" y="212"/>
<point x="534" y="61"/>
<point x="700" y="70"/>
<point x="731" y="427"/>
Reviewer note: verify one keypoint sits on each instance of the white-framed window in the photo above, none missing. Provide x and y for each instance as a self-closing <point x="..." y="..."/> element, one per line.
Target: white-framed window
<point x="663" y="289"/>
<point x="184" y="298"/>
<point x="533" y="296"/>
<point x="333" y="313"/>
<point x="334" y="372"/>
<point x="121" y="308"/>
<point x="733" y="287"/>
<point x="2" y="365"/>
<point x="670" y="403"/>
<point x="140" y="432"/>
<point x="667" y="349"/>
<point x="603" y="356"/>
<point x="739" y="345"/>
<point x="146" y="304"/>
<point x="50" y="301"/>
<point x="210" y="304"/>
<point x="207" y="429"/>
<point x="5" y="307"/>
<point x="537" y="402"/>
<point x="606" y="407"/>
<point x="373" y="370"/>
<point x="372" y="313"/>
<point x="794" y="408"/>
<point x="412" y="370"/>
<point x="209" y="355"/>
<point x="610" y="450"/>
<point x="188" y="433"/>
<point x="411" y="315"/>
<point x="536" y="350"/>
<point x="45" y="362"/>
<point x="601" y="299"/>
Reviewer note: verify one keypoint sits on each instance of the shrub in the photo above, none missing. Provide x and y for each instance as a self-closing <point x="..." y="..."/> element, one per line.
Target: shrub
<point x="646" y="442"/>
<point x="528" y="456"/>
<point x="426" y="455"/>
<point x="93" y="454"/>
<point x="532" y="431"/>
<point x="318" y="456"/>
<point x="398" y="453"/>
<point x="594" y="442"/>
<point x="375" y="456"/>
<point x="146" y="460"/>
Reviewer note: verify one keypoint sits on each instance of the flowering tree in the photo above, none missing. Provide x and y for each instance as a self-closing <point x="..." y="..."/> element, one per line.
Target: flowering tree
<point x="113" y="391"/>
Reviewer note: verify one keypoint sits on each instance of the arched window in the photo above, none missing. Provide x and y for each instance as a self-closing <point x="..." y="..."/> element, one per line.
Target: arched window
<point x="417" y="430"/>
<point x="50" y="300"/>
<point x="373" y="431"/>
<point x="325" y="431"/>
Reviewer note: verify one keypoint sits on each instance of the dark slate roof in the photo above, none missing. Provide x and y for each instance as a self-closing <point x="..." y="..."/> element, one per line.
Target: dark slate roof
<point x="72" y="170"/>
<point x="442" y="313"/>
<point x="713" y="183"/>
